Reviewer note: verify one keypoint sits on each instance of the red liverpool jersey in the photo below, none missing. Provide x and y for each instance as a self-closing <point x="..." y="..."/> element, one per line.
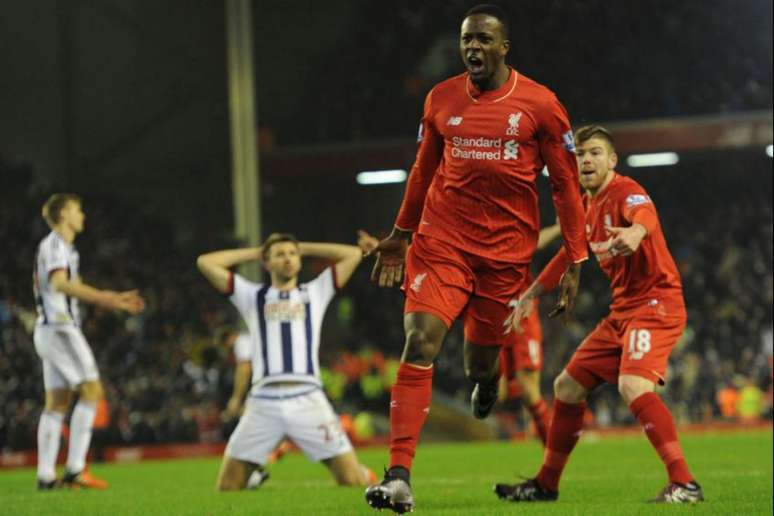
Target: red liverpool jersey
<point x="650" y="273"/>
<point x="473" y="184"/>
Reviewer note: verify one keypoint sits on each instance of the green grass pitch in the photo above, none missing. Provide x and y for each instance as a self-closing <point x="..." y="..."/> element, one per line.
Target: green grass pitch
<point x="610" y="475"/>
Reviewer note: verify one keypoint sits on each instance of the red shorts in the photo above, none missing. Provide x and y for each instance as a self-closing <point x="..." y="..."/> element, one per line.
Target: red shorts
<point x="526" y="353"/>
<point x="447" y="282"/>
<point x="637" y="343"/>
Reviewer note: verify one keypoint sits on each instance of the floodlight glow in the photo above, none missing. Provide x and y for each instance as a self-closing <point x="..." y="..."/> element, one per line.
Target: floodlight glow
<point x="381" y="177"/>
<point x="656" y="159"/>
<point x="770" y="151"/>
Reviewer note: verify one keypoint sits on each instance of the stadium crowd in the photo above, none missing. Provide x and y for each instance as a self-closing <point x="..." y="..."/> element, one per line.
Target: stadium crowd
<point x="421" y="44"/>
<point x="168" y="373"/>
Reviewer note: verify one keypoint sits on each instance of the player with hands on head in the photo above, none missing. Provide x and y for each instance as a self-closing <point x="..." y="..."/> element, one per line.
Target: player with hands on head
<point x="630" y="347"/>
<point x="69" y="367"/>
<point x="284" y="318"/>
<point x="470" y="211"/>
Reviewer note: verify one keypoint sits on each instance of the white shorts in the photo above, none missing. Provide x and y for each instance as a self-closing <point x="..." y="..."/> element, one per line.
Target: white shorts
<point x="307" y="419"/>
<point x="67" y="357"/>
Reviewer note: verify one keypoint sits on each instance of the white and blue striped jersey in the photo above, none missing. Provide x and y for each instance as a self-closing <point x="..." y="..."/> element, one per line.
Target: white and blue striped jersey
<point x="285" y="327"/>
<point x="55" y="307"/>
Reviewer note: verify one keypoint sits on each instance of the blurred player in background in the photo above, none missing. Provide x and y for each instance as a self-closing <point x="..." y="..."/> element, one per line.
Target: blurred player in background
<point x="68" y="362"/>
<point x="631" y="346"/>
<point x="471" y="205"/>
<point x="521" y="361"/>
<point x="284" y="319"/>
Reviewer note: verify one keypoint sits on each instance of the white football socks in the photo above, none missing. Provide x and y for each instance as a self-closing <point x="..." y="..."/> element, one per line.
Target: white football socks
<point x="81" y="423"/>
<point x="49" y="436"/>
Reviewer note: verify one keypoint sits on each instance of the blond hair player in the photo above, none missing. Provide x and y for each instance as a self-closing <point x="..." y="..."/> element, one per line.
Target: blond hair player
<point x="68" y="362"/>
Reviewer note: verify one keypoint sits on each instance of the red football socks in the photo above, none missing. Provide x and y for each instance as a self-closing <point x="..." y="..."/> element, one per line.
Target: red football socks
<point x="539" y="413"/>
<point x="659" y="426"/>
<point x="563" y="433"/>
<point x="409" y="406"/>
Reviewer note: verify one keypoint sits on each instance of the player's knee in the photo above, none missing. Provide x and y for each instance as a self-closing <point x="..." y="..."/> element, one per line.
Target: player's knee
<point x="91" y="391"/>
<point x="632" y="387"/>
<point x="230" y="482"/>
<point x="419" y="348"/>
<point x="58" y="401"/>
<point x="225" y="484"/>
<point x="567" y="389"/>
<point x="529" y="381"/>
<point x="57" y="406"/>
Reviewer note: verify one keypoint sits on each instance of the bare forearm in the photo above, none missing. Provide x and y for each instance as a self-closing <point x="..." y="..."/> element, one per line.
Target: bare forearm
<point x="215" y="266"/>
<point x="550" y="276"/>
<point x="534" y="291"/>
<point x="402" y="233"/>
<point x="83" y="292"/>
<point x="241" y="380"/>
<point x="230" y="257"/>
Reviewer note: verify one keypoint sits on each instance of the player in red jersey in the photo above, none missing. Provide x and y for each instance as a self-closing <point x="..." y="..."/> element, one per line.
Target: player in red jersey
<point x="630" y="346"/>
<point x="521" y="362"/>
<point x="471" y="203"/>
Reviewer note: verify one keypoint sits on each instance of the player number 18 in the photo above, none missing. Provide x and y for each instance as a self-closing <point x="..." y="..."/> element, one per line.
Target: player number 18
<point x="639" y="343"/>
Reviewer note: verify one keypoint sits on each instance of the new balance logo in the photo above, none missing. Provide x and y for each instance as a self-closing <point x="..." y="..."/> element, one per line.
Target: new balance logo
<point x="454" y="120"/>
<point x="417" y="283"/>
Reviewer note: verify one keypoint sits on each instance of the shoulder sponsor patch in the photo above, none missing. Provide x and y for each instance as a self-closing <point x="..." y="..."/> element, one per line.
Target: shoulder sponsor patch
<point x="569" y="141"/>
<point x="637" y="199"/>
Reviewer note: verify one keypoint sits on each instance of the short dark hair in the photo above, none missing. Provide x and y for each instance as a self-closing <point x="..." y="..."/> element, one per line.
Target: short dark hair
<point x="588" y="132"/>
<point x="53" y="207"/>
<point x="495" y="11"/>
<point x="276" y="238"/>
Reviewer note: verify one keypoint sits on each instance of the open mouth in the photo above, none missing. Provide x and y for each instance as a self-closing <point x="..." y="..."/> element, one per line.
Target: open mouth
<point x="475" y="65"/>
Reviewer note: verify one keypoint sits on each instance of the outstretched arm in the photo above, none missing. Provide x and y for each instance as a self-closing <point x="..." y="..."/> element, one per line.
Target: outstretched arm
<point x="215" y="266"/>
<point x="644" y="222"/>
<point x="346" y="257"/>
<point x="128" y="301"/>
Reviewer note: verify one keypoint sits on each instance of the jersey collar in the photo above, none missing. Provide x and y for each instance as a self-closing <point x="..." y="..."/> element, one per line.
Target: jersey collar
<point x="492" y="96"/>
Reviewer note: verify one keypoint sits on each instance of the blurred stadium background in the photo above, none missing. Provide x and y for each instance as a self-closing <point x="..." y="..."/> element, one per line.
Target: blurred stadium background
<point x="127" y="104"/>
